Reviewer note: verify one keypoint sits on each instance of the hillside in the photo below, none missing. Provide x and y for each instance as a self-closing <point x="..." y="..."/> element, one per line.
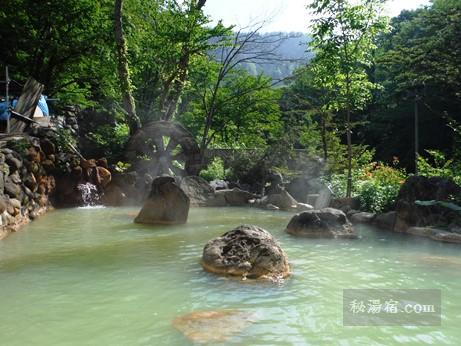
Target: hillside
<point x="291" y="52"/>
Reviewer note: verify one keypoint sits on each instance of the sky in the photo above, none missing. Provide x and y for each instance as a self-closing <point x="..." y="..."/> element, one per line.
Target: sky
<point x="283" y="15"/>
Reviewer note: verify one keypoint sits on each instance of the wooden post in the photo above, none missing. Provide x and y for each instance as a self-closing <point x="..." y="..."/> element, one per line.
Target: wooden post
<point x="26" y="105"/>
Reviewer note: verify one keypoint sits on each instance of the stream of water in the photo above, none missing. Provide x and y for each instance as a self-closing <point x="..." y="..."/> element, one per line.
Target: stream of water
<point x="93" y="277"/>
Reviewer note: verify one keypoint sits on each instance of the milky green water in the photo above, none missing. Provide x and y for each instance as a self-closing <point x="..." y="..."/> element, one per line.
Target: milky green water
<point x="92" y="277"/>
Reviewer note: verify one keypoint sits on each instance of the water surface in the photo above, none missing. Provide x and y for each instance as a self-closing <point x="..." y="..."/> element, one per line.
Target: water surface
<point x="92" y="277"/>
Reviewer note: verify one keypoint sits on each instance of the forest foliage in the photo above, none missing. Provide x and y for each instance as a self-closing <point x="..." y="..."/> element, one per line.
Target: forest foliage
<point x="172" y="46"/>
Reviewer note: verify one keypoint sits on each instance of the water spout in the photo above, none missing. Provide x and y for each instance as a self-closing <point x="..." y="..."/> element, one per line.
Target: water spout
<point x="90" y="194"/>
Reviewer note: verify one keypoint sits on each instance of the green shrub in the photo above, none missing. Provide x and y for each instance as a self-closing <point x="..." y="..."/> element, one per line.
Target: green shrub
<point x="380" y="186"/>
<point x="20" y="146"/>
<point x="215" y="170"/>
<point x="378" y="197"/>
<point x="65" y="140"/>
<point x="438" y="165"/>
<point x="375" y="184"/>
<point x="111" y="139"/>
<point x="247" y="166"/>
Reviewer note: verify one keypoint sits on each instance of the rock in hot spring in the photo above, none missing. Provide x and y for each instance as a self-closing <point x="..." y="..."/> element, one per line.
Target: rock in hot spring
<point x="167" y="204"/>
<point x="247" y="251"/>
<point x="209" y="327"/>
<point x="322" y="223"/>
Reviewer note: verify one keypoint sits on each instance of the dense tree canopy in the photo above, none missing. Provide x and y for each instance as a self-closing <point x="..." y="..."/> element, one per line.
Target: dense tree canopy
<point x="356" y="96"/>
<point x="422" y="56"/>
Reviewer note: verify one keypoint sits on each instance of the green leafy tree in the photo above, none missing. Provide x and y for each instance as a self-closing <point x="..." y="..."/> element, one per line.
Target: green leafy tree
<point x="65" y="44"/>
<point x="246" y="113"/>
<point x="344" y="41"/>
<point x="124" y="70"/>
<point x="166" y="37"/>
<point x="222" y="86"/>
<point x="418" y="59"/>
<point x="304" y="106"/>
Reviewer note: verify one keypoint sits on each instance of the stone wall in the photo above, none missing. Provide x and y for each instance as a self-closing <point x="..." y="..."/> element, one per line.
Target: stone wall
<point x="26" y="180"/>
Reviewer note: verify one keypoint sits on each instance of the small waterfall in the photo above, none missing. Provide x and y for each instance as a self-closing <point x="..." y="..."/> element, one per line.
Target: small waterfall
<point x="90" y="194"/>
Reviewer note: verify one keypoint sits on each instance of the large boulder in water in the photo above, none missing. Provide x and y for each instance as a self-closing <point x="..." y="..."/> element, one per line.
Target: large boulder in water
<point x="167" y="204"/>
<point x="235" y="197"/>
<point x="201" y="193"/>
<point x="323" y="223"/>
<point x="299" y="189"/>
<point x="281" y="199"/>
<point x="434" y="189"/>
<point x="246" y="251"/>
<point x="198" y="190"/>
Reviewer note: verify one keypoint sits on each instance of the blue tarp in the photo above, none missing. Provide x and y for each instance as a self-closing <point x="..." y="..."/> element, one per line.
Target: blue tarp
<point x="5" y="114"/>
<point x="43" y="106"/>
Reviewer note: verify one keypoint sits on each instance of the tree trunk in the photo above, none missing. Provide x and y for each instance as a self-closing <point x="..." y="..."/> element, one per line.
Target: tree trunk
<point x="172" y="93"/>
<point x="349" y="154"/>
<point x="324" y="138"/>
<point x="123" y="71"/>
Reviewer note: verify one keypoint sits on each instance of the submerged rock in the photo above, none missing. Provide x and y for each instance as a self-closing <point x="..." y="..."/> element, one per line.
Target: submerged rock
<point x="247" y="251"/>
<point x="435" y="234"/>
<point x="323" y="223"/>
<point x="213" y="326"/>
<point x="167" y="204"/>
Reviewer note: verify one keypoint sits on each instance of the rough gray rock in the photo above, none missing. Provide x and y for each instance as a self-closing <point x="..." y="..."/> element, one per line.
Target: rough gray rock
<point x="219" y="184"/>
<point x="47" y="146"/>
<point x="13" y="162"/>
<point x="282" y="199"/>
<point x="167" y="204"/>
<point x="198" y="190"/>
<point x="304" y="207"/>
<point x="247" y="251"/>
<point x="3" y="204"/>
<point x="386" y="220"/>
<point x="345" y="204"/>
<point x="435" y="234"/>
<point x="362" y="217"/>
<point x="323" y="223"/>
<point x="236" y="197"/>
<point x="12" y="189"/>
<point x="299" y="189"/>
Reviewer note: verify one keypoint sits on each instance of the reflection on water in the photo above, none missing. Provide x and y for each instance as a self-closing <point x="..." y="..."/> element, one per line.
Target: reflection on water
<point x="92" y="277"/>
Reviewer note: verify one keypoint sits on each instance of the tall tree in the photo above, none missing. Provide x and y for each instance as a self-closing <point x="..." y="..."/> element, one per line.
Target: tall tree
<point x="124" y="72"/>
<point x="245" y="111"/>
<point x="344" y="36"/>
<point x="166" y="37"/>
<point x="419" y="58"/>
<point x="64" y="44"/>
<point x="242" y="47"/>
<point x="173" y="87"/>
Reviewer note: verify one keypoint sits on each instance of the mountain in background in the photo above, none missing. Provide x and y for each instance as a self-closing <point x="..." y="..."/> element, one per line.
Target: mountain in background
<point x="291" y="52"/>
